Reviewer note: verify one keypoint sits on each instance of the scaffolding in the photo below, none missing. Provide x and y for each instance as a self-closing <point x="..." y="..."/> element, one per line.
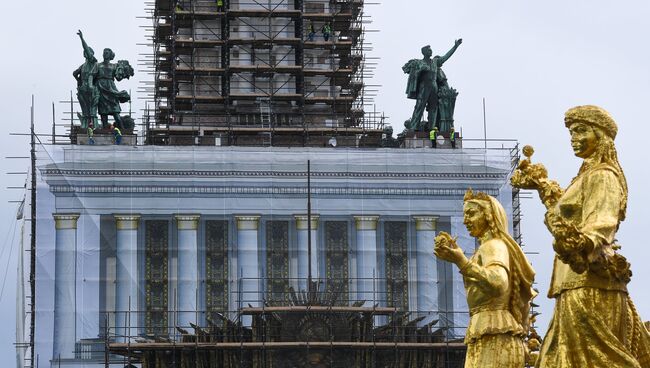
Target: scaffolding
<point x="259" y="72"/>
<point x="318" y="327"/>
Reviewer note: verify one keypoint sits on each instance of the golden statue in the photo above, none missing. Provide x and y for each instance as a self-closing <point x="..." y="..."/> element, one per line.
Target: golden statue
<point x="594" y="323"/>
<point x="498" y="280"/>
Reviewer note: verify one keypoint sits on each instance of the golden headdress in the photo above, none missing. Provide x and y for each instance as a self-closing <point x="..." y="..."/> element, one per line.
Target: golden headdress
<point x="592" y="115"/>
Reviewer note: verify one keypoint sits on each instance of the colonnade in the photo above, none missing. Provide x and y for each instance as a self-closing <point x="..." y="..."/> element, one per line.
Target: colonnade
<point x="246" y="264"/>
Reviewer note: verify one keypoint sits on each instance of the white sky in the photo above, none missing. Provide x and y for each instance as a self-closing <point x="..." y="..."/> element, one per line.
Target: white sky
<point x="530" y="60"/>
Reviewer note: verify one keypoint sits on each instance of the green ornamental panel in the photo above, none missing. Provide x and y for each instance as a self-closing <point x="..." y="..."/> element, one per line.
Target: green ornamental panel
<point x="156" y="276"/>
<point x="395" y="237"/>
<point x="277" y="260"/>
<point x="216" y="266"/>
<point x="336" y="258"/>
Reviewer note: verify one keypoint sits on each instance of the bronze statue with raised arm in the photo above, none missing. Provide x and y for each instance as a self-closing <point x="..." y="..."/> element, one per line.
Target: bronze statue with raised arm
<point x="498" y="281"/>
<point x="595" y="323"/>
<point x="87" y="92"/>
<point x="427" y="84"/>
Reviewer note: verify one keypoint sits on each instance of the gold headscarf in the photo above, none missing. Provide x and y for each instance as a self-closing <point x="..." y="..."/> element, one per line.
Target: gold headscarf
<point x="521" y="272"/>
<point x="594" y="116"/>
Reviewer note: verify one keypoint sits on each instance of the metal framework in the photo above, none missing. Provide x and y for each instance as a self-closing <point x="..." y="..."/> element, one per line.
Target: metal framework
<point x="309" y="330"/>
<point x="250" y="73"/>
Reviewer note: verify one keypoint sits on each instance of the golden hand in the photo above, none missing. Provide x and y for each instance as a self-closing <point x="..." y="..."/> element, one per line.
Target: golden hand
<point x="447" y="249"/>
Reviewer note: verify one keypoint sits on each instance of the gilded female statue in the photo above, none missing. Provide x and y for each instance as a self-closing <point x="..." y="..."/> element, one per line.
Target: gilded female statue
<point x="498" y="280"/>
<point x="594" y="323"/>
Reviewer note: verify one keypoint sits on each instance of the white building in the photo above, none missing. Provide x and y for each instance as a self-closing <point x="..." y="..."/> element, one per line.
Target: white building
<point x="136" y="240"/>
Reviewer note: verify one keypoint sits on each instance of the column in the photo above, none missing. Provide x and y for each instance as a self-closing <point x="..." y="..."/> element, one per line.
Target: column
<point x="426" y="270"/>
<point x="188" y="269"/>
<point x="249" y="274"/>
<point x="64" y="285"/>
<point x="367" y="270"/>
<point x="127" y="313"/>
<point x="303" y="256"/>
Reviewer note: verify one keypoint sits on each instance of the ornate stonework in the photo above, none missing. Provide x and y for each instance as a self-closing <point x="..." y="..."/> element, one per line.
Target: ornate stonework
<point x="127" y="222"/>
<point x="63" y="221"/>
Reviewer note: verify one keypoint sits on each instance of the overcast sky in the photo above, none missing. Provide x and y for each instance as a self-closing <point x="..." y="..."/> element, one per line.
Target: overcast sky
<point x="531" y="61"/>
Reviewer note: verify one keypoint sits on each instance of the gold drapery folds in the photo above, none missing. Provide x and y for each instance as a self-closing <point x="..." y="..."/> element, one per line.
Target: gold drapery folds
<point x="498" y="282"/>
<point x="595" y="323"/>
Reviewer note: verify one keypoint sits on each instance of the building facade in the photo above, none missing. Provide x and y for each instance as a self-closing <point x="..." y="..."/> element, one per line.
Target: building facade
<point x="135" y="241"/>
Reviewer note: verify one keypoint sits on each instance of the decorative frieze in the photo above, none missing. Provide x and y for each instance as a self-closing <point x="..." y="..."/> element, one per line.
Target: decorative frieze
<point x="280" y="174"/>
<point x="275" y="191"/>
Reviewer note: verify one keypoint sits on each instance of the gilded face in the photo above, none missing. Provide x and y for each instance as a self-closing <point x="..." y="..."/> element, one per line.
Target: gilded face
<point x="474" y="218"/>
<point x="584" y="140"/>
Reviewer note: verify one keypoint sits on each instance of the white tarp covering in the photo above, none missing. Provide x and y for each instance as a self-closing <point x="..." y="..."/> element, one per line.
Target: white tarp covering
<point x="159" y="183"/>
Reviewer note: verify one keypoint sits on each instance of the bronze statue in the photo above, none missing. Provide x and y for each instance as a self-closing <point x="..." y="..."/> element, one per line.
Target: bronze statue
<point x="595" y="323"/>
<point x="427" y="84"/>
<point x="87" y="93"/>
<point x="96" y="88"/>
<point x="109" y="96"/>
<point x="498" y="281"/>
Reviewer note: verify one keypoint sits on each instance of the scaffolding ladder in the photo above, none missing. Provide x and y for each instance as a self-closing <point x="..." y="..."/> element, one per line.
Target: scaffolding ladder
<point x="265" y="120"/>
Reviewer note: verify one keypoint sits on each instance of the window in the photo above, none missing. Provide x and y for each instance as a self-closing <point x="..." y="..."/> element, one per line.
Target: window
<point x="156" y="276"/>
<point x="277" y="261"/>
<point x="336" y="259"/>
<point x="216" y="268"/>
<point x="395" y="239"/>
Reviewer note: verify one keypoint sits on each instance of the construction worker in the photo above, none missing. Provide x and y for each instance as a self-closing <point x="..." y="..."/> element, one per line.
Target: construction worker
<point x="311" y="31"/>
<point x="179" y="7"/>
<point x="452" y="137"/>
<point x="91" y="134"/>
<point x="433" y="135"/>
<point x="219" y="5"/>
<point x="327" y="31"/>
<point x="117" y="133"/>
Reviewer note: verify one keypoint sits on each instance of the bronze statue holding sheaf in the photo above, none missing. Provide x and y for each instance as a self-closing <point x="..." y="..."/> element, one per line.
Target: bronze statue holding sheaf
<point x="427" y="84"/>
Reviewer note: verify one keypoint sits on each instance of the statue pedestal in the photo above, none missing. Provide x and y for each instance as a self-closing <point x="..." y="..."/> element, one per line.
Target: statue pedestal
<point x="416" y="142"/>
<point x="107" y="139"/>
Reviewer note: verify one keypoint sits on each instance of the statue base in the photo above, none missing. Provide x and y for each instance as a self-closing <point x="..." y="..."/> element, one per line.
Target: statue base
<point x="416" y="142"/>
<point x="106" y="140"/>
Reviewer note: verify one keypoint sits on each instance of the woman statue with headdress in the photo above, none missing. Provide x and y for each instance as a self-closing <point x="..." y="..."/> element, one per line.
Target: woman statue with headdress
<point x="595" y="323"/>
<point x="109" y="96"/>
<point x="498" y="280"/>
